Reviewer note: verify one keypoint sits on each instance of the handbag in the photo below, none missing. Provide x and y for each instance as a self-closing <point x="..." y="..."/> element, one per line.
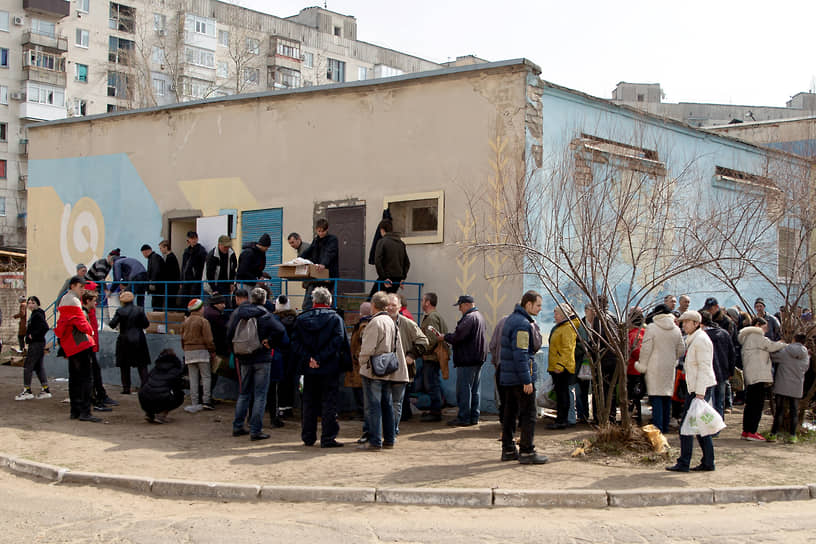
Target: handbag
<point x="386" y="363"/>
<point x="442" y="355"/>
<point x="585" y="372"/>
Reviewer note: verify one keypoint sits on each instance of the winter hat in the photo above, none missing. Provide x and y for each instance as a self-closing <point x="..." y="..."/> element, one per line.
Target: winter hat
<point x="282" y="304"/>
<point x="115" y="252"/>
<point x="126" y="296"/>
<point x="216" y="299"/>
<point x="710" y="302"/>
<point x="691" y="315"/>
<point x="195" y="304"/>
<point x="760" y="300"/>
<point x="80" y="266"/>
<point x="265" y="240"/>
<point x="90" y="286"/>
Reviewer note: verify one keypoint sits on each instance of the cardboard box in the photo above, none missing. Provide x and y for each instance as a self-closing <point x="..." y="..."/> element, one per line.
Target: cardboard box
<point x="302" y="271"/>
<point x="157" y="323"/>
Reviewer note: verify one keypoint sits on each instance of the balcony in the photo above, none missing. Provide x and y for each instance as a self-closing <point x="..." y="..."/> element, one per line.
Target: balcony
<point x="283" y="53"/>
<point x="41" y="112"/>
<point x="51" y="77"/>
<point x="50" y="8"/>
<point x="54" y="43"/>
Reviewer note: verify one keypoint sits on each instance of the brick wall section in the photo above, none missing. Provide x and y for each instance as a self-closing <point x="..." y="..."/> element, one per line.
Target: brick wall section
<point x="534" y="118"/>
<point x="9" y="305"/>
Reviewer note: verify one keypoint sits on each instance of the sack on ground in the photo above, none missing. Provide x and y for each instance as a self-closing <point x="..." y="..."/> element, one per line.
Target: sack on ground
<point x="246" y="339"/>
<point x="384" y="364"/>
<point x="656" y="438"/>
<point x="701" y="419"/>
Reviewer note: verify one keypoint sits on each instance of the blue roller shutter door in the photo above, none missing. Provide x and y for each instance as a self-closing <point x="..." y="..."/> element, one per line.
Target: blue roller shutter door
<point x="256" y="222"/>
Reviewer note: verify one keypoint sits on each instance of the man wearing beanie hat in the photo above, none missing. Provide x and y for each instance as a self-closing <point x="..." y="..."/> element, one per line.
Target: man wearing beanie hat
<point x="774" y="330"/>
<point x="252" y="262"/>
<point x="197" y="343"/>
<point x="221" y="267"/>
<point x="324" y="252"/>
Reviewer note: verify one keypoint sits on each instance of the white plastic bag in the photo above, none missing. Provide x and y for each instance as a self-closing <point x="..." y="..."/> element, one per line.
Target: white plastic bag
<point x="701" y="419"/>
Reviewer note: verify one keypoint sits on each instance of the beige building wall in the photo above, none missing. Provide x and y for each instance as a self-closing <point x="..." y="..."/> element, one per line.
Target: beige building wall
<point x="361" y="143"/>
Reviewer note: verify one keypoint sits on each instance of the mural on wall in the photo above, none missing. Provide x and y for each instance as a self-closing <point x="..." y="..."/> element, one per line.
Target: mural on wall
<point x="82" y="234"/>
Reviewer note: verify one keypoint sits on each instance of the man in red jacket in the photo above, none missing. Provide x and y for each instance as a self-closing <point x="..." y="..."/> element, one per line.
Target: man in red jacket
<point x="75" y="335"/>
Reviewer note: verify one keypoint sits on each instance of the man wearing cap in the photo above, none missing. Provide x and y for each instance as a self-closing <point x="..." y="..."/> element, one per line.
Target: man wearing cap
<point x="154" y="274"/>
<point x="221" y="267"/>
<point x="700" y="378"/>
<point x="469" y="342"/>
<point x="720" y="317"/>
<point x="252" y="261"/>
<point x="192" y="268"/>
<point x="774" y="330"/>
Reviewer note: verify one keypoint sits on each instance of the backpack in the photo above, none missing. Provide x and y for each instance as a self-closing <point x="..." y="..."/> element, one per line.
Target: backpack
<point x="245" y="341"/>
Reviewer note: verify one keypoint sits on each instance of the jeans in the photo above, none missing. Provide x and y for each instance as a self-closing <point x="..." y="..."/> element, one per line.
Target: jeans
<point x="754" y="403"/>
<point x="720" y="391"/>
<point x="779" y="413"/>
<point x="80" y="383"/>
<point x="380" y="412"/>
<point x="468" y="383"/>
<point x="687" y="441"/>
<point x="517" y="401"/>
<point x="572" y="413"/>
<point x="254" y="382"/>
<point x="431" y="383"/>
<point x="320" y="399"/>
<point x="397" y="395"/>
<point x="561" y="385"/>
<point x="661" y="412"/>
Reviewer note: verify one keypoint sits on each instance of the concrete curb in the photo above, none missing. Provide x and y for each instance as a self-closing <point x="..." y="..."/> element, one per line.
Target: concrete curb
<point x="428" y="496"/>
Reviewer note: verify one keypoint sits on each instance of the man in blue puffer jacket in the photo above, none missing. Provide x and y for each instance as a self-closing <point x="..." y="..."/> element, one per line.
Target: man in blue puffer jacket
<point x="321" y="348"/>
<point x="518" y="376"/>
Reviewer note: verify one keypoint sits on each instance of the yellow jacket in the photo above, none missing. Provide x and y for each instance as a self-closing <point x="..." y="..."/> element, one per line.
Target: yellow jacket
<point x="562" y="346"/>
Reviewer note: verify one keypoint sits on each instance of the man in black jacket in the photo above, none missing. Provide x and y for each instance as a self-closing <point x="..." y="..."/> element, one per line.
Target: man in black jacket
<point x="154" y="273"/>
<point x="170" y="272"/>
<point x="252" y="262"/>
<point x="192" y="268"/>
<point x="321" y="348"/>
<point x="390" y="259"/>
<point x="324" y="252"/>
<point x="725" y="357"/>
<point x="221" y="267"/>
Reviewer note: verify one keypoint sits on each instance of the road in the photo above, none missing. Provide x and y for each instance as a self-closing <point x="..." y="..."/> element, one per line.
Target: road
<point x="33" y="511"/>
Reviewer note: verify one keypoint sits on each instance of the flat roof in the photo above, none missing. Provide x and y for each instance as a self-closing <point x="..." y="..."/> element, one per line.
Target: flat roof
<point x="769" y="122"/>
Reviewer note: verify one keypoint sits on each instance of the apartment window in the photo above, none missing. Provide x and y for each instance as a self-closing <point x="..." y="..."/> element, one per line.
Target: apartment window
<point x="223" y="69"/>
<point x="283" y="78"/>
<point x="2" y="198"/>
<point x="3" y="176"/>
<point x="308" y="60"/>
<point x="223" y="38"/>
<point x="200" y="25"/>
<point x="335" y="70"/>
<point x="81" y="72"/>
<point x="112" y="108"/>
<point x="337" y="31"/>
<point x="199" y="57"/>
<point x="159" y="22"/>
<point x="46" y="61"/>
<point x="117" y="84"/>
<point x="159" y="86"/>
<point x="197" y="88"/>
<point x="39" y="93"/>
<point x="3" y="128"/>
<point x="119" y="50"/>
<point x="419" y="217"/>
<point x="79" y="107"/>
<point x="84" y="5"/>
<point x="158" y="55"/>
<point x="253" y="46"/>
<point x="121" y="17"/>
<point x="362" y="73"/>
<point x="4" y="57"/>
<point x="43" y="28"/>
<point x="82" y="37"/>
<point x="252" y="75"/>
<point x="3" y="95"/>
<point x="288" y="49"/>
<point x="4" y="21"/>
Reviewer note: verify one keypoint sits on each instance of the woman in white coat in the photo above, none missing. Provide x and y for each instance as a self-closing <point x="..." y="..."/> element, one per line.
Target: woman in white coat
<point x="756" y="365"/>
<point x="700" y="378"/>
<point x="662" y="347"/>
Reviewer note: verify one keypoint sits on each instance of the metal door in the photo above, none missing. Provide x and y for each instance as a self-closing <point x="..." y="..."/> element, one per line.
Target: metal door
<point x="254" y="223"/>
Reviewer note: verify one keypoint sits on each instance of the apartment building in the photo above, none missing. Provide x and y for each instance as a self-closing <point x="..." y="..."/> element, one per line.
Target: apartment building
<point x="71" y="58"/>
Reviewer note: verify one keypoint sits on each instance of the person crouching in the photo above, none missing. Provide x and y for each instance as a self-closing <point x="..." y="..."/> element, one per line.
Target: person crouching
<point x="163" y="391"/>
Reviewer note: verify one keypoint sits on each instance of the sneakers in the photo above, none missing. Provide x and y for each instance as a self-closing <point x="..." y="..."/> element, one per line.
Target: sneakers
<point x="25" y="395"/>
<point x="792" y="439"/>
<point x="44" y="394"/>
<point x="208" y="406"/>
<point x="510" y="455"/>
<point x="110" y="402"/>
<point x="753" y="437"/>
<point x="193" y="408"/>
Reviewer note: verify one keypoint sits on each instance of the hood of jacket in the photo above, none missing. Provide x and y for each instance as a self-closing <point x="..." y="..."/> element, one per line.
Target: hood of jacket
<point x="315" y="319"/>
<point x="248" y="310"/>
<point x="664" y="321"/>
<point x="287" y="318"/>
<point x="167" y="362"/>
<point x="745" y="332"/>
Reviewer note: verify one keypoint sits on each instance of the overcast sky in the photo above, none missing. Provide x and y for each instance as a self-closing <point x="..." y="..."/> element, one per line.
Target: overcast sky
<point x="725" y="51"/>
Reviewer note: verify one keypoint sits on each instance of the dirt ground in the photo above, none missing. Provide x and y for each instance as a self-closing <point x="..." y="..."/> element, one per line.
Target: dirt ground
<point x="200" y="447"/>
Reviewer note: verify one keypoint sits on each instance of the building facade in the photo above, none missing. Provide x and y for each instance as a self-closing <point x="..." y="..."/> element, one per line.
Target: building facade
<point x="62" y="59"/>
<point x="796" y="135"/>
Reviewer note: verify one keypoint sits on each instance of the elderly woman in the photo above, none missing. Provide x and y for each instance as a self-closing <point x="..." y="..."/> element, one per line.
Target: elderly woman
<point x="756" y="365"/>
<point x="700" y="378"/>
<point x="131" y="345"/>
<point x="381" y="336"/>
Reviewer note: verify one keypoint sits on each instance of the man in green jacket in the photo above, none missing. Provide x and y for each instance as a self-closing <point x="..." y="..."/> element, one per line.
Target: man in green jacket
<point x="429" y="377"/>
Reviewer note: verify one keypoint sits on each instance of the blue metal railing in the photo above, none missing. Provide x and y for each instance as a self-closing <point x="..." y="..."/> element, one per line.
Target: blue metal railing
<point x="170" y="305"/>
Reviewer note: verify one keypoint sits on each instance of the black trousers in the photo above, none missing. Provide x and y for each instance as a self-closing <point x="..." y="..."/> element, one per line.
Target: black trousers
<point x="125" y="375"/>
<point x="99" y="394"/>
<point x="516" y="401"/>
<point x="272" y="400"/>
<point x="781" y="401"/>
<point x="561" y="385"/>
<point x="754" y="403"/>
<point x="80" y="383"/>
<point x="320" y="399"/>
<point x="169" y="403"/>
<point x="608" y="372"/>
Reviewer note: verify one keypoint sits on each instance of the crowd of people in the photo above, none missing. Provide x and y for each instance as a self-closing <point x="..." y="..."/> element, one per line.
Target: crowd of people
<point x="235" y="327"/>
